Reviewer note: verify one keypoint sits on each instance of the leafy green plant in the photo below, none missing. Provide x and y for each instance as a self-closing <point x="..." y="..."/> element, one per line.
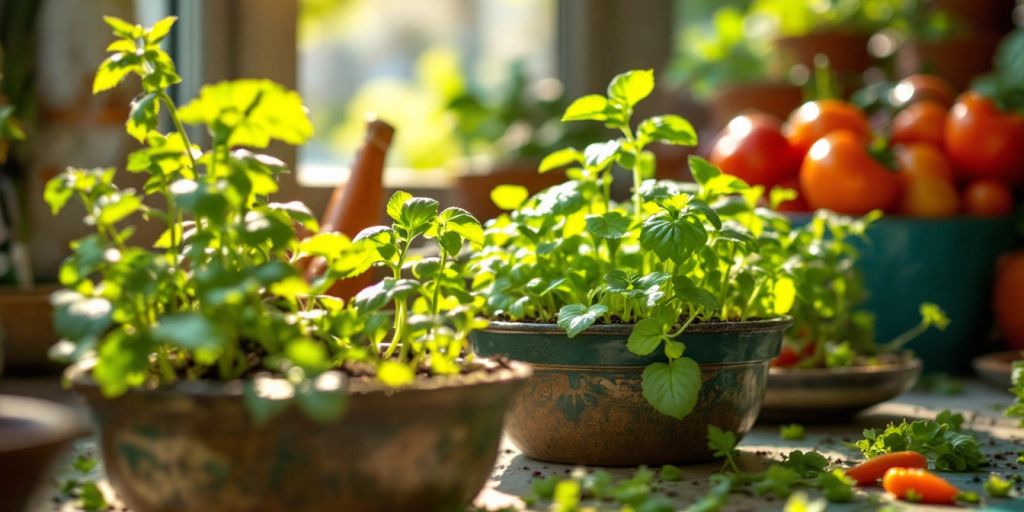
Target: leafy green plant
<point x="1005" y="84"/>
<point x="219" y="295"/>
<point x="792" y="432"/>
<point x="946" y="449"/>
<point x="673" y="255"/>
<point x="829" y="328"/>
<point x="799" y="469"/>
<point x="1016" y="410"/>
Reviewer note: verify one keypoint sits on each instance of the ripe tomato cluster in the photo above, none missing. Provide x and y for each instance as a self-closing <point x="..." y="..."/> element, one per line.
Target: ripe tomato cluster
<point x="940" y="156"/>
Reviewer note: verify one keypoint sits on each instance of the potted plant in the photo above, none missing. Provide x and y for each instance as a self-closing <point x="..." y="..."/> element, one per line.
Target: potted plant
<point x="220" y="379"/>
<point x="726" y="67"/>
<point x="645" y="321"/>
<point x="831" y="365"/>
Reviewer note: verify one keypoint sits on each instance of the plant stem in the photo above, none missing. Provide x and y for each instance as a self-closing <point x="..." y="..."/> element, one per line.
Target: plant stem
<point x="905" y="338"/>
<point x="173" y="112"/>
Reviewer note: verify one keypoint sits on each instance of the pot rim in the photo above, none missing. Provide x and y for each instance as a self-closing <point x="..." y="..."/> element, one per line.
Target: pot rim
<point x="905" y="366"/>
<point x="52" y="422"/>
<point x="761" y="325"/>
<point x="80" y="376"/>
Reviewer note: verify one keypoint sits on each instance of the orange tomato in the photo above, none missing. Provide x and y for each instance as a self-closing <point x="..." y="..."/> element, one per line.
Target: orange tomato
<point x="927" y="487"/>
<point x="924" y="121"/>
<point x="988" y="198"/>
<point x="929" y="197"/>
<point x="916" y="88"/>
<point x="869" y="471"/>
<point x="752" y="148"/>
<point x="840" y="175"/>
<point x="1008" y="298"/>
<point x="984" y="142"/>
<point x="816" y="119"/>
<point x="924" y="161"/>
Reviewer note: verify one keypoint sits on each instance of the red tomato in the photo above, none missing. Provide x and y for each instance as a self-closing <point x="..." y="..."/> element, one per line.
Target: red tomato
<point x="924" y="121"/>
<point x="840" y="175"/>
<point x="752" y="148"/>
<point x="916" y="88"/>
<point x="1008" y="296"/>
<point x="988" y="198"/>
<point x="787" y="357"/>
<point x="984" y="142"/>
<point x="924" y="161"/>
<point x="816" y="119"/>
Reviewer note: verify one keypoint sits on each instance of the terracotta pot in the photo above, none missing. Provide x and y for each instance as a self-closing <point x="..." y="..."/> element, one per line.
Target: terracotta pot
<point x="957" y="60"/>
<point x="473" y="190"/>
<point x="585" y="404"/>
<point x="847" y="53"/>
<point x="194" y="446"/>
<point x="27" y="329"/>
<point x="771" y="98"/>
<point x="33" y="435"/>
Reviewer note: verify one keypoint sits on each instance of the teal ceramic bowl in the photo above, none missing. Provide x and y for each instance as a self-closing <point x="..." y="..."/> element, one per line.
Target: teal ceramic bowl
<point x="907" y="261"/>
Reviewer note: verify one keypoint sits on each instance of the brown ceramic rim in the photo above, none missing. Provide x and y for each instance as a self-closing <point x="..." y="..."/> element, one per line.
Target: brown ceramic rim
<point x="1001" y="362"/>
<point x="878" y="369"/>
<point x="80" y="376"/>
<point x="766" y="325"/>
<point x="626" y="368"/>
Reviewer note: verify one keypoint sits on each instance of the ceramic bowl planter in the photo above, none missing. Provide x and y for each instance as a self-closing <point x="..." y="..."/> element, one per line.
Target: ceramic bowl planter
<point x="584" y="404"/>
<point x="195" y="447"/>
<point x="33" y="435"/>
<point x="833" y="394"/>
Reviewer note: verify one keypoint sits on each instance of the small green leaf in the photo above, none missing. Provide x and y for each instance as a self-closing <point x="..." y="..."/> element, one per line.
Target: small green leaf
<point x="673" y="387"/>
<point x="670" y="473"/>
<point x="308" y="355"/>
<point x="610" y="225"/>
<point x="592" y="107"/>
<point x="785" y="295"/>
<point x="575" y="318"/>
<point x="509" y="197"/>
<point x="632" y="86"/>
<point x="690" y="293"/>
<point x="721" y="442"/>
<point x="672" y="236"/>
<point x="836" y="486"/>
<point x="394" y="207"/>
<point x="647" y="334"/>
<point x="394" y="374"/>
<point x="559" y="159"/>
<point x="144" y="116"/>
<point x="933" y="316"/>
<point x="189" y="330"/>
<point x="160" y="29"/>
<point x="599" y="154"/>
<point x="670" y="129"/>
<point x="792" y="432"/>
<point x="998" y="487"/>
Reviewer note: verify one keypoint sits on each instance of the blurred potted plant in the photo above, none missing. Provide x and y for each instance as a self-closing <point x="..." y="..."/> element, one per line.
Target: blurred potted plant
<point x="504" y="137"/>
<point x="724" y="65"/>
<point x="935" y="41"/>
<point x="220" y="378"/>
<point x="837" y="29"/>
<point x="24" y="306"/>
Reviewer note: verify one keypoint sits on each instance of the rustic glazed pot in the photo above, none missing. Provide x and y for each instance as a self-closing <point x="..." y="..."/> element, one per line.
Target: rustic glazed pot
<point x="822" y="395"/>
<point x="33" y="436"/>
<point x="584" y="404"/>
<point x="194" y="447"/>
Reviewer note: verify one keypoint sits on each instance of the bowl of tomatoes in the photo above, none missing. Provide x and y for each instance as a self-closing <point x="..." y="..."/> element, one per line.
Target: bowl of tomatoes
<point x="943" y="168"/>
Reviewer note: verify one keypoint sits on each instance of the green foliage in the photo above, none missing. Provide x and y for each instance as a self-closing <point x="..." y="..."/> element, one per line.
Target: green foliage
<point x="998" y="487"/>
<point x="946" y="449"/>
<point x="673" y="255"/>
<point x="792" y="432"/>
<point x="1016" y="410"/>
<point x="219" y="295"/>
<point x="1005" y="84"/>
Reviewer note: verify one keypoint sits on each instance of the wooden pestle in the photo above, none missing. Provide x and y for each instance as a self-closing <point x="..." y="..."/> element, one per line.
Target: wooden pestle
<point x="357" y="203"/>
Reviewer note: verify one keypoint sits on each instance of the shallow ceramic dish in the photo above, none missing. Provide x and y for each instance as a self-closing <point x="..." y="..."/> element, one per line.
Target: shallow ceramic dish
<point x="33" y="435"/>
<point x="997" y="368"/>
<point x="834" y="394"/>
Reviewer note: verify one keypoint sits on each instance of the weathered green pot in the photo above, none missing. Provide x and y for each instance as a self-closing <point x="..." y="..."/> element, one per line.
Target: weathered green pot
<point x="584" y="404"/>
<point x="194" y="447"/>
